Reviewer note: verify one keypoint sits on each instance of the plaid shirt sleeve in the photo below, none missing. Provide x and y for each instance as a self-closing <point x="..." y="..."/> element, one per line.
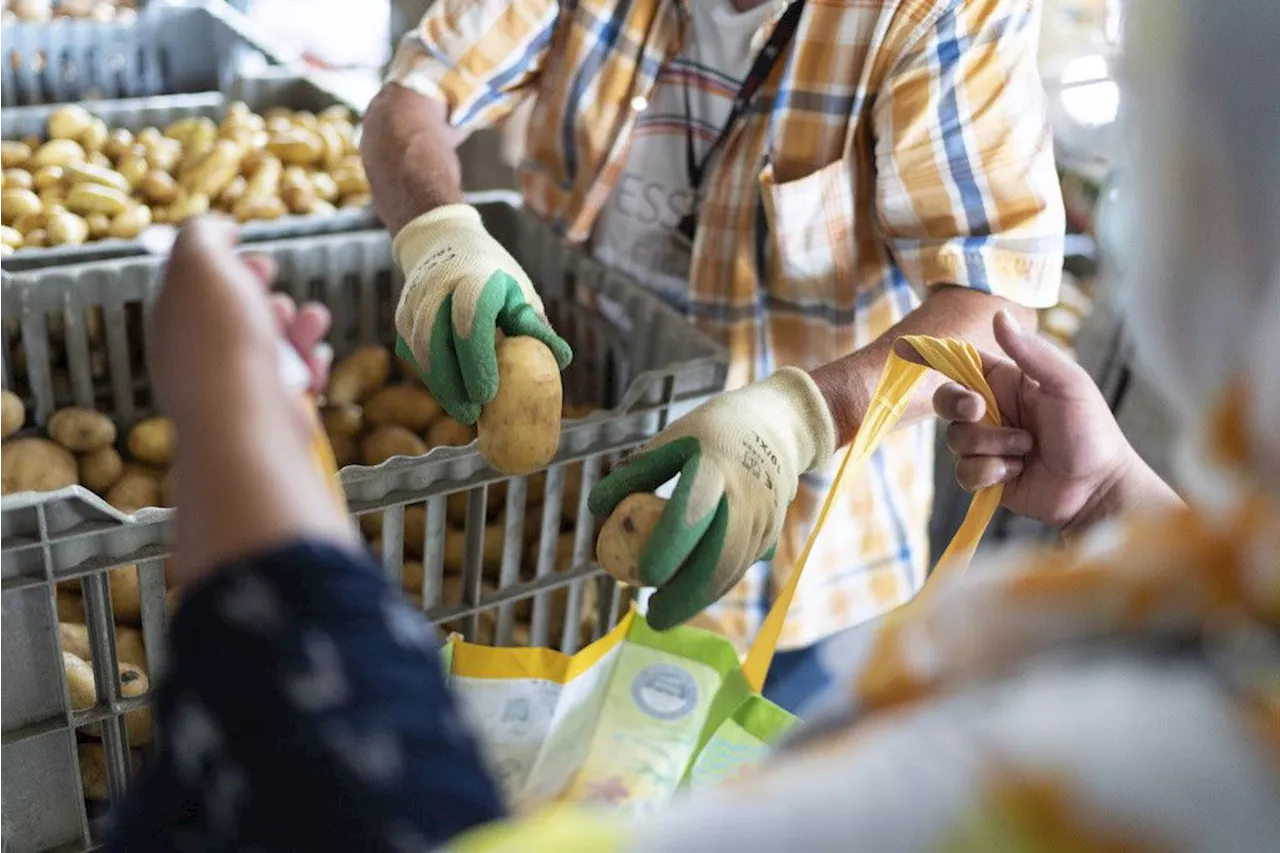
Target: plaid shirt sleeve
<point x="479" y="57"/>
<point x="967" y="192"/>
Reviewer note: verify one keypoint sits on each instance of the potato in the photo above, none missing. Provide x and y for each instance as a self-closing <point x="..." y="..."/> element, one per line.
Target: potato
<point x="101" y="469"/>
<point x="334" y="145"/>
<point x="519" y="429"/>
<point x="360" y="200"/>
<point x="128" y="224"/>
<point x="137" y="724"/>
<point x="415" y="520"/>
<point x="89" y="174"/>
<point x="214" y="170"/>
<point x="455" y="550"/>
<point x="95" y="198"/>
<point x="336" y="112"/>
<point x="447" y="432"/>
<point x="118" y="143"/>
<point x="14" y="155"/>
<point x="296" y="146"/>
<point x="158" y="187"/>
<point x="625" y="533"/>
<point x="15" y="203"/>
<point x="94" y="137"/>
<point x="13" y="414"/>
<point x="187" y="206"/>
<point x="35" y="238"/>
<point x="388" y="441"/>
<point x="402" y="405"/>
<point x="232" y="193"/>
<point x="320" y="207"/>
<point x="126" y="601"/>
<point x="129" y="649"/>
<point x="324" y="185"/>
<point x="82" y="430"/>
<point x="359" y="375"/>
<point x="69" y="605"/>
<point x="164" y="154"/>
<point x="133" y="491"/>
<point x="411" y="575"/>
<point x="351" y="180"/>
<point x="191" y="129"/>
<point x="10" y="237"/>
<point x="136" y="170"/>
<point x="99" y="225"/>
<point x="18" y="179"/>
<point x="152" y="441"/>
<point x="67" y="229"/>
<point x="345" y="420"/>
<point x="252" y="208"/>
<point x="81" y="687"/>
<point x="345" y="451"/>
<point x="93" y="758"/>
<point x="298" y="198"/>
<point x="34" y="464"/>
<point x="58" y="152"/>
<point x="68" y="122"/>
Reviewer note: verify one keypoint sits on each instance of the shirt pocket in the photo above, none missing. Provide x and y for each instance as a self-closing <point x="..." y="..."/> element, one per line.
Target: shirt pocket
<point x="812" y="245"/>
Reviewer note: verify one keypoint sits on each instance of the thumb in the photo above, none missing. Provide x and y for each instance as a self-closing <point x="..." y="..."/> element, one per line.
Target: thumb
<point x="1055" y="373"/>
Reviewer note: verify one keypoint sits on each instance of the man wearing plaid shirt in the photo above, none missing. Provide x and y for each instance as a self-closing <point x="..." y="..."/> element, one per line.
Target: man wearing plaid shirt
<point x="805" y="182"/>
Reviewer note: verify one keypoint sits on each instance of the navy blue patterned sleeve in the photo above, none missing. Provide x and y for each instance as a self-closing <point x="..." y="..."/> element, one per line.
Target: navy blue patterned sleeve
<point x="305" y="709"/>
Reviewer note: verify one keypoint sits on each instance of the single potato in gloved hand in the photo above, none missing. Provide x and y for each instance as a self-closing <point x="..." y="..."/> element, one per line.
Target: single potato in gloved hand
<point x="519" y="429"/>
<point x="625" y="533"/>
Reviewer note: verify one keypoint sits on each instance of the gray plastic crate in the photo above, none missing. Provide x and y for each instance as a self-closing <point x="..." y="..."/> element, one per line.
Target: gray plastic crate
<point x="165" y="50"/>
<point x="633" y="355"/>
<point x="260" y="92"/>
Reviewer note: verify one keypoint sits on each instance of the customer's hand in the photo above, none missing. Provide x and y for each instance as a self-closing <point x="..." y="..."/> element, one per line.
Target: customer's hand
<point x="739" y="458"/>
<point x="245" y="476"/>
<point x="461" y="286"/>
<point x="1060" y="452"/>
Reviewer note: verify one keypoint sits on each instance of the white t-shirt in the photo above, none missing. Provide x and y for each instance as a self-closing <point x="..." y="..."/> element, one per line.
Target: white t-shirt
<point x="637" y="232"/>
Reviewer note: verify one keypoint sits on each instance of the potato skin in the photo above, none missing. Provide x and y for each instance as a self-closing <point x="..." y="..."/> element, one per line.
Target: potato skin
<point x="35" y="464"/>
<point x="134" y="491"/>
<point x="82" y="430"/>
<point x="153" y="441"/>
<point x="358" y="375"/>
<point x="625" y="533"/>
<point x="388" y="441"/>
<point x="100" y="470"/>
<point x="402" y="405"/>
<point x="519" y="430"/>
<point x="12" y="413"/>
<point x="447" y="432"/>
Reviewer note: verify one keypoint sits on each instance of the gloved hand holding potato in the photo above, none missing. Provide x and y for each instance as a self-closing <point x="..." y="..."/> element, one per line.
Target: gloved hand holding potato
<point x="461" y="287"/>
<point x="739" y="460"/>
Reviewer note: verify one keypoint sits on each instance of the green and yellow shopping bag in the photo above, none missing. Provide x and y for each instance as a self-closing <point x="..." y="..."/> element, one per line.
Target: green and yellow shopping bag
<point x="640" y="713"/>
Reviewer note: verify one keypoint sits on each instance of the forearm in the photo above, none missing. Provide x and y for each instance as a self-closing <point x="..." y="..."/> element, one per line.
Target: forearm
<point x="407" y="146"/>
<point x="1135" y="489"/>
<point x="947" y="312"/>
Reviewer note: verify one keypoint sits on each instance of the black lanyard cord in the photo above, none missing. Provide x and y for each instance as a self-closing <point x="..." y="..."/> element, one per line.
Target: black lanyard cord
<point x="760" y="70"/>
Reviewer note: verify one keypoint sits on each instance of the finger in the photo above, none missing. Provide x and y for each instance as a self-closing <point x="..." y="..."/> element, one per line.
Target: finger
<point x="475" y="318"/>
<point x="693" y="587"/>
<point x="525" y="319"/>
<point x="263" y="266"/>
<point x="443" y="378"/>
<point x="283" y="311"/>
<point x="981" y="472"/>
<point x="954" y="402"/>
<point x="1055" y="373"/>
<point x="309" y="327"/>
<point x="983" y="439"/>
<point x="641" y="472"/>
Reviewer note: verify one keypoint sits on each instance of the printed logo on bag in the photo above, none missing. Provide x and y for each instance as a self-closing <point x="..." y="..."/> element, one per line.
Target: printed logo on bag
<point x="665" y="692"/>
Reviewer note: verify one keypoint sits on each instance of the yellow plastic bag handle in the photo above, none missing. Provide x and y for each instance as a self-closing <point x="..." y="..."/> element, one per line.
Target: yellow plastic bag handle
<point x="958" y="361"/>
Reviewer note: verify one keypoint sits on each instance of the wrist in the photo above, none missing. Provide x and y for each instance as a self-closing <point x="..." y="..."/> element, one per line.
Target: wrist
<point x="1130" y="487"/>
<point x="813" y="423"/>
<point x="425" y="233"/>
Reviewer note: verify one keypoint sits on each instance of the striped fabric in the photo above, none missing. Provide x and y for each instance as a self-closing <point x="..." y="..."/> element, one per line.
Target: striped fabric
<point x="898" y="145"/>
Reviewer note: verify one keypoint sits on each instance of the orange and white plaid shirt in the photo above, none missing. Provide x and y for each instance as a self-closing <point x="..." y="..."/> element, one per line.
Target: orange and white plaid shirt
<point x="896" y="146"/>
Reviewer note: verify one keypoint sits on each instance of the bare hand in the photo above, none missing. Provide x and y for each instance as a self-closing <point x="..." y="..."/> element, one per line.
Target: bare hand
<point x="1060" y="450"/>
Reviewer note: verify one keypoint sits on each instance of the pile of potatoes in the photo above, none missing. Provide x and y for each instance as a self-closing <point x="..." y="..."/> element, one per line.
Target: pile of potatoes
<point x="375" y="408"/>
<point x="131" y="670"/>
<point x="81" y="449"/>
<point x="87" y="182"/>
<point x="46" y="10"/>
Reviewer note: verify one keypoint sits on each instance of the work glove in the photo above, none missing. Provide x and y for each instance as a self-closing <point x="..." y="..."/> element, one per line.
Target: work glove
<point x="461" y="286"/>
<point x="739" y="458"/>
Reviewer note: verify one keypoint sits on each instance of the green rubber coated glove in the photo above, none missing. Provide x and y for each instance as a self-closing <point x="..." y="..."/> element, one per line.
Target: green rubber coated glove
<point x="461" y="286"/>
<point x="739" y="458"/>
